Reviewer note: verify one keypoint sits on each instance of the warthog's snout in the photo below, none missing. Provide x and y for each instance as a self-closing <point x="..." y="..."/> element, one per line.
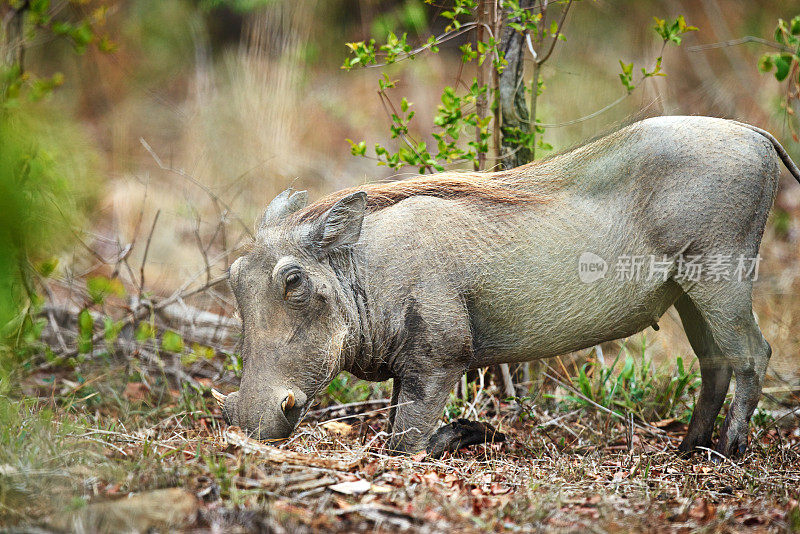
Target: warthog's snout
<point x="270" y="416"/>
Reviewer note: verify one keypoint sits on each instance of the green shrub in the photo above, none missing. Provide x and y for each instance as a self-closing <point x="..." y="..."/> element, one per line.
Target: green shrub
<point x="638" y="387"/>
<point x="46" y="172"/>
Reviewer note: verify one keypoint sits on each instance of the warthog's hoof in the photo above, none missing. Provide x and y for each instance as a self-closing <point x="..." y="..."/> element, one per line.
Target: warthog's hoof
<point x="462" y="433"/>
<point x="732" y="446"/>
<point x="691" y="445"/>
<point x="733" y="437"/>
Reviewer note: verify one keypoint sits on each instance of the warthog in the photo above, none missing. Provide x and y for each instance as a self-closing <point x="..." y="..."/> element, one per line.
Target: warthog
<point x="423" y="279"/>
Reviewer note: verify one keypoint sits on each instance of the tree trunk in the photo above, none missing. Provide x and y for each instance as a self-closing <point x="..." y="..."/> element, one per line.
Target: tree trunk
<point x="13" y="46"/>
<point x="514" y="111"/>
<point x="483" y="19"/>
<point x="534" y="99"/>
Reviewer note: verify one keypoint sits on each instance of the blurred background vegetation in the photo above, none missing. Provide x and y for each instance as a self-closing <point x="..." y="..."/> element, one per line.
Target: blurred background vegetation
<point x="158" y="130"/>
<point x="248" y="97"/>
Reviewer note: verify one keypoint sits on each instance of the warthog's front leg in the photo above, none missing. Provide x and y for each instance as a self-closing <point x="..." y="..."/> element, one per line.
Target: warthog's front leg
<point x="462" y="433"/>
<point x="418" y="402"/>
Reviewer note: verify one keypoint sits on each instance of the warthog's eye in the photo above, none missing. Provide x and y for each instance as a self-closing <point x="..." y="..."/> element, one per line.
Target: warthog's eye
<point x="292" y="281"/>
<point x="295" y="287"/>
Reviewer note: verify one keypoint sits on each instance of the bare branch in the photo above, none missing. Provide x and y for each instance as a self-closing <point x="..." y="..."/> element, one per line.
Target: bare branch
<point x="742" y="40"/>
<point x="558" y="32"/>
<point x="144" y="256"/>
<point x="203" y="249"/>
<point x="586" y="117"/>
<point x="183" y="174"/>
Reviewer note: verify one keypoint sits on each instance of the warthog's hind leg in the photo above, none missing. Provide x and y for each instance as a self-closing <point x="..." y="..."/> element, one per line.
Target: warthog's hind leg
<point x="727" y="310"/>
<point x="715" y="371"/>
<point x="750" y="365"/>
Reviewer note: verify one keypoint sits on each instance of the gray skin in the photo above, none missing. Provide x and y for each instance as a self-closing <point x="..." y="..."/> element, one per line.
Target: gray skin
<point x="429" y="288"/>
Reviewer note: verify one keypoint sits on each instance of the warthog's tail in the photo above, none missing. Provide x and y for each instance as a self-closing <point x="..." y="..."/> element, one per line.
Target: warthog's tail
<point x="778" y="148"/>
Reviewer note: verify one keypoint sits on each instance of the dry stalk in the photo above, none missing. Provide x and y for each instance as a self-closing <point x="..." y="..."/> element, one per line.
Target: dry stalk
<point x="235" y="437"/>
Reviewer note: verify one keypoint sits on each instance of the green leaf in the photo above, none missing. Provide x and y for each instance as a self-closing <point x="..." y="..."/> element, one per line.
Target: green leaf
<point x="626" y="76"/>
<point x="172" y="341"/>
<point x="111" y="329"/>
<point x="106" y="45"/>
<point x="780" y="30"/>
<point x="145" y="331"/>
<point x="85" y="322"/>
<point x="414" y="15"/>
<point x="61" y="27"/>
<point x="670" y="31"/>
<point x="357" y="149"/>
<point x="794" y="25"/>
<point x="47" y="267"/>
<point x="782" y="64"/>
<point x="765" y="63"/>
<point x="85" y="331"/>
<point x="189" y="358"/>
<point x="627" y="370"/>
<point x="81" y="37"/>
<point x="203" y="351"/>
<point x="683" y="27"/>
<point x="100" y="287"/>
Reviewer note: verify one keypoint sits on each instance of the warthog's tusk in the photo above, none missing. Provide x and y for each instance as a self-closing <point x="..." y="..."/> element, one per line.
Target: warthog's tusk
<point x="288" y="402"/>
<point x="219" y="397"/>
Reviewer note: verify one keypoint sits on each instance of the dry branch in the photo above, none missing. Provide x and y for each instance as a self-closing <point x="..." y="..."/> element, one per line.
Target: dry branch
<point x="185" y="175"/>
<point x="139" y="313"/>
<point x="236" y="438"/>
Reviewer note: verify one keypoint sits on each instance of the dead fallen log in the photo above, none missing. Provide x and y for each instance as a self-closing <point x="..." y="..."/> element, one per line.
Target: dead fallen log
<point x="235" y="437"/>
<point x="140" y="312"/>
<point x="199" y="323"/>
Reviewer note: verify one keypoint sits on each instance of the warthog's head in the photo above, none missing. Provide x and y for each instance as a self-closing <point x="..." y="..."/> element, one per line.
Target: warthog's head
<point x="297" y="315"/>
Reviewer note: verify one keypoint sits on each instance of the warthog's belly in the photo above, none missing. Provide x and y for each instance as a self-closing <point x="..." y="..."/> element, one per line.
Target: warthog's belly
<point x="584" y="274"/>
<point x="602" y="312"/>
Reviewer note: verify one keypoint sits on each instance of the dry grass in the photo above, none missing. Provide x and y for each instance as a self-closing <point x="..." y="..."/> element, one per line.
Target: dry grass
<point x="560" y="468"/>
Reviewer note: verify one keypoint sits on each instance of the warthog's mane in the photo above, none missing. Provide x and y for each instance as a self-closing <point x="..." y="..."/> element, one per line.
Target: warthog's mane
<point x="526" y="184"/>
<point x="495" y="188"/>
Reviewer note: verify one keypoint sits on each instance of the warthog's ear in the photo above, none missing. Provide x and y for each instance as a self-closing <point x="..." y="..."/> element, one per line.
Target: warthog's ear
<point x="341" y="225"/>
<point x="284" y="204"/>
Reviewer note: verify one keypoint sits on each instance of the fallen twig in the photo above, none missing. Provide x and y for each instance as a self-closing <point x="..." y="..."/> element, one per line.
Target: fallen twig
<point x="235" y="437"/>
<point x="335" y="407"/>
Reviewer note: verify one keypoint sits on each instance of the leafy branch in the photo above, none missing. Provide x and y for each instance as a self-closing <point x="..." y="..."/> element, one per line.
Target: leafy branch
<point x="670" y="32"/>
<point x="23" y="20"/>
<point x="785" y="62"/>
<point x="505" y="33"/>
